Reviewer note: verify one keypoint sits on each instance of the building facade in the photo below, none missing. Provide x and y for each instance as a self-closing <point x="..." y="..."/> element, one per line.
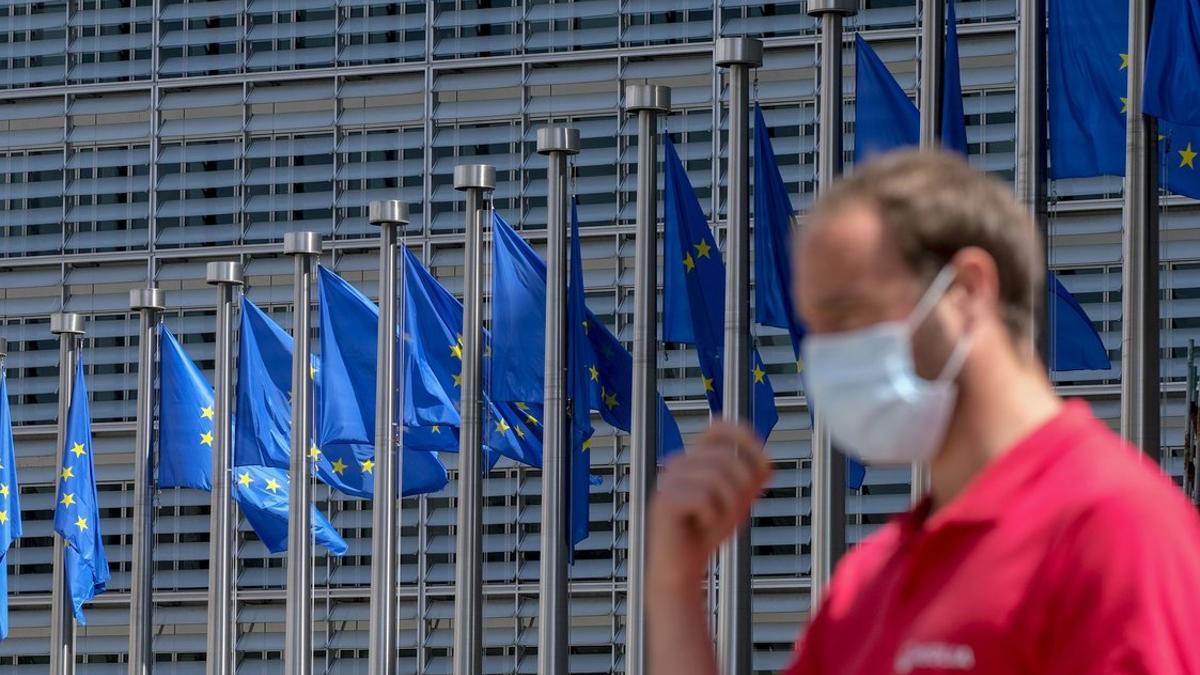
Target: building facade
<point x="140" y="140"/>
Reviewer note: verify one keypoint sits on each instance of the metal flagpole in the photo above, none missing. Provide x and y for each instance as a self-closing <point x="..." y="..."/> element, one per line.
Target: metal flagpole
<point x="1031" y="142"/>
<point x="739" y="55"/>
<point x="68" y="327"/>
<point x="554" y="619"/>
<point x="389" y="215"/>
<point x="222" y="549"/>
<point x="305" y="247"/>
<point x="828" y="494"/>
<point x="933" y="51"/>
<point x="474" y="179"/>
<point x="647" y="102"/>
<point x="1139" y="249"/>
<point x="149" y="303"/>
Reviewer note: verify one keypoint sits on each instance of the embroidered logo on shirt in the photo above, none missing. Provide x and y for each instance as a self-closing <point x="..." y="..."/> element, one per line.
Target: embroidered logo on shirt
<point x="934" y="656"/>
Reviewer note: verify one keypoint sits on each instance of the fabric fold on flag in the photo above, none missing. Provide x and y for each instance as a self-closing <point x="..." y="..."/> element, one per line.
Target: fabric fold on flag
<point x="1075" y="344"/>
<point x="694" y="294"/>
<point x="773" y="224"/>
<point x="1172" y="86"/>
<point x="10" y="498"/>
<point x="76" y="506"/>
<point x="954" y="121"/>
<point x="185" y="442"/>
<point x="884" y="117"/>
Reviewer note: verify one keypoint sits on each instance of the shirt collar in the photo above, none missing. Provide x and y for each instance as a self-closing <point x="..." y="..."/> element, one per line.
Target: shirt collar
<point x="988" y="495"/>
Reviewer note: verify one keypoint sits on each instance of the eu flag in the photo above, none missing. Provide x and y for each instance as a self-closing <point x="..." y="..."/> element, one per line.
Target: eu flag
<point x="884" y="117"/>
<point x="519" y="283"/>
<point x="185" y="441"/>
<point x="76" y="507"/>
<point x="1172" y="90"/>
<point x="345" y="397"/>
<point x="1089" y="56"/>
<point x="10" y="499"/>
<point x="772" y="240"/>
<point x="433" y="325"/>
<point x="954" y="121"/>
<point x="185" y="420"/>
<point x="262" y="492"/>
<point x="694" y="294"/>
<point x="1074" y="342"/>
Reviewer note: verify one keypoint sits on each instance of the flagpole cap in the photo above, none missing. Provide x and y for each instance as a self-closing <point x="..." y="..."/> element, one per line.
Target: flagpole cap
<point x="558" y="139"/>
<point x="387" y="212"/>
<point x="66" y="323"/>
<point x="840" y="7"/>
<point x="735" y="51"/>
<point x="302" y="243"/>
<point x="652" y="97"/>
<point x="153" y="299"/>
<point x="224" y="272"/>
<point x="474" y="177"/>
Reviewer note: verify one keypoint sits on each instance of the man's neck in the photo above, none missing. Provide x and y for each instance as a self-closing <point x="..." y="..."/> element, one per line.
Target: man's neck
<point x="999" y="404"/>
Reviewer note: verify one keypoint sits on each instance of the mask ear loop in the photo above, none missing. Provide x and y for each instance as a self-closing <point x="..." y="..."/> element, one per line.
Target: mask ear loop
<point x="932" y="295"/>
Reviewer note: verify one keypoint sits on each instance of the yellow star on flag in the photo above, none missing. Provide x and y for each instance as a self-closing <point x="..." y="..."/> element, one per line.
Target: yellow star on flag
<point x="77" y="449"/>
<point x="206" y="438"/>
<point x="522" y="406"/>
<point x="3" y="489"/>
<point x="587" y="444"/>
<point x="314" y="452"/>
<point x="502" y="426"/>
<point x="531" y="419"/>
<point x="688" y="263"/>
<point x="68" y="499"/>
<point x="594" y="373"/>
<point x="3" y="517"/>
<point x="456" y="351"/>
<point x="759" y="373"/>
<point x="339" y="467"/>
<point x="520" y="434"/>
<point x="272" y="485"/>
<point x="81" y="523"/>
<point x="702" y="249"/>
<point x="67" y="472"/>
<point x="1124" y="61"/>
<point x="1124" y="104"/>
<point x="437" y="429"/>
<point x="312" y="371"/>
<point x="1187" y="157"/>
<point x="708" y="383"/>
<point x="207" y="412"/>
<point x="611" y="400"/>
<point x="367" y="465"/>
<point x="458" y="379"/>
<point x="245" y="480"/>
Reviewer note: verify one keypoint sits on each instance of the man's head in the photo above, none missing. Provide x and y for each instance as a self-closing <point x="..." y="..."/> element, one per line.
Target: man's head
<point x="877" y="239"/>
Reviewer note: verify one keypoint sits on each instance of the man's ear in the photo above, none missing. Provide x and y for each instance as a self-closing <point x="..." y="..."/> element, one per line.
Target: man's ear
<point x="977" y="282"/>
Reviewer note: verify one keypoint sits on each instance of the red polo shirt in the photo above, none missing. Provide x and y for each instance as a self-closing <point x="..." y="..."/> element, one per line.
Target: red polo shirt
<point x="1068" y="554"/>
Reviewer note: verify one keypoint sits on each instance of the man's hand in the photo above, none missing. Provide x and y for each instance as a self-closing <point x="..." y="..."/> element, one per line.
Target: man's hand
<point x="703" y="496"/>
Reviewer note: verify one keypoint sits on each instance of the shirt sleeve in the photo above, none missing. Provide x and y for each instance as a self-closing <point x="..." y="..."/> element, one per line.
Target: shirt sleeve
<point x="1120" y="592"/>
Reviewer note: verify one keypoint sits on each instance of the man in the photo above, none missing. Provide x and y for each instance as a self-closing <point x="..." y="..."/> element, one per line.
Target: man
<point x="1045" y="545"/>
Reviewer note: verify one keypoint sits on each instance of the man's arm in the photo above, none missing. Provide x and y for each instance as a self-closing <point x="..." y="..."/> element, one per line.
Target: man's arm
<point x="703" y="496"/>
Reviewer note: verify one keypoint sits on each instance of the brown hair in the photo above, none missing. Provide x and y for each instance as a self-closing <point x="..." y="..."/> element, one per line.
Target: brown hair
<point x="933" y="204"/>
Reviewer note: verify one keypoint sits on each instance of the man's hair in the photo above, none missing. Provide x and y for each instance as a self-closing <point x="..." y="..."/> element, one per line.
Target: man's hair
<point x="932" y="205"/>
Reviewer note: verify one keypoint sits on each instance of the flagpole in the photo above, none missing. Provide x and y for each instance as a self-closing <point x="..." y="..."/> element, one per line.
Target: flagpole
<point x="305" y="248"/>
<point x="149" y="303"/>
<point x="647" y="102"/>
<point x="933" y="50"/>
<point x="828" y="493"/>
<point x="221" y="654"/>
<point x="389" y="215"/>
<point x="554" y="619"/>
<point x="475" y="180"/>
<point x="68" y="326"/>
<point x="1031" y="144"/>
<point x="1139" y="247"/>
<point x="738" y="55"/>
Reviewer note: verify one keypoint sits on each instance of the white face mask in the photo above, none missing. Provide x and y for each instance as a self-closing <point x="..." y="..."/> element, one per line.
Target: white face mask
<point x="863" y="384"/>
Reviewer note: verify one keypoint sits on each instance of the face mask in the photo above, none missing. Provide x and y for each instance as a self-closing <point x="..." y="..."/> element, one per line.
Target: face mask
<point x="864" y="386"/>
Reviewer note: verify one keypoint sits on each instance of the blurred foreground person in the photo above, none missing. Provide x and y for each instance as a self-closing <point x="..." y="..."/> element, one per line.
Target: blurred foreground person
<point x="1046" y="544"/>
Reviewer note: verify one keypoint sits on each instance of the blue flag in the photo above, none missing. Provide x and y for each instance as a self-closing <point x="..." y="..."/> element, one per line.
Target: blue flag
<point x="772" y="240"/>
<point x="519" y="284"/>
<point x="884" y="117"/>
<point x="1075" y="344"/>
<point x="345" y="397"/>
<point x="262" y="492"/>
<point x="434" y="324"/>
<point x="185" y="438"/>
<point x="582" y="396"/>
<point x="185" y="420"/>
<point x="954" y="121"/>
<point x="76" y="507"/>
<point x="1172" y="90"/>
<point x="10" y="499"/>
<point x="694" y="294"/>
<point x="263" y="424"/>
<point x="1089" y="58"/>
